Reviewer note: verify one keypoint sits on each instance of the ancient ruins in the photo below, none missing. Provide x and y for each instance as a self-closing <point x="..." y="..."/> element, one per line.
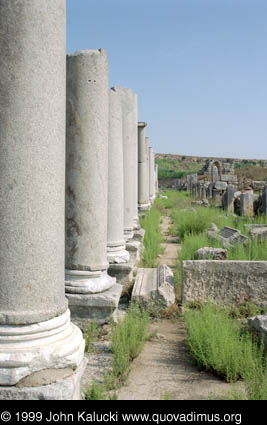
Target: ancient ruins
<point x="77" y="172"/>
<point x="216" y="181"/>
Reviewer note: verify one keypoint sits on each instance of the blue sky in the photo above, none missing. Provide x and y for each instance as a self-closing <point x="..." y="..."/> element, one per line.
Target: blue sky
<point x="199" y="68"/>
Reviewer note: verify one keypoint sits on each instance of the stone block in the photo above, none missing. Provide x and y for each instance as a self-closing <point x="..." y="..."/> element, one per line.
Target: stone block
<point x="208" y="253"/>
<point x="68" y="388"/>
<point x="224" y="282"/>
<point x="247" y="204"/>
<point x="100" y="306"/>
<point x="139" y="235"/>
<point x="135" y="249"/>
<point x="259" y="324"/>
<point x="220" y="186"/>
<point x="154" y="285"/>
<point x="122" y="272"/>
<point x="258" y="232"/>
<point x="228" y="236"/>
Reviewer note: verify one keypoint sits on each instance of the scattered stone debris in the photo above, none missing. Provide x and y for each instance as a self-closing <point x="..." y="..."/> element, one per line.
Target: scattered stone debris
<point x="257" y="231"/>
<point x="163" y="197"/>
<point x="209" y="253"/>
<point x="259" y="324"/>
<point x="154" y="285"/>
<point x="228" y="235"/>
<point x="203" y="202"/>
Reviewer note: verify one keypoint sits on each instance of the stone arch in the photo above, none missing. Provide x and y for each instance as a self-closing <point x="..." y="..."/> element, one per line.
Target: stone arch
<point x="219" y="167"/>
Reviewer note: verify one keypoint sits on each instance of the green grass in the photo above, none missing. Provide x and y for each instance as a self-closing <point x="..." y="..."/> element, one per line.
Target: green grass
<point x="128" y="338"/>
<point x="152" y="239"/>
<point x="176" y="200"/>
<point x="217" y="344"/>
<point x="198" y="220"/>
<point x="99" y="392"/>
<point x="90" y="335"/>
<point x="174" y="168"/>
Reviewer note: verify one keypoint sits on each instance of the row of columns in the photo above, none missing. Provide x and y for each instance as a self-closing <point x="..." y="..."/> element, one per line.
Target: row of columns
<point x="147" y="170"/>
<point x="95" y="177"/>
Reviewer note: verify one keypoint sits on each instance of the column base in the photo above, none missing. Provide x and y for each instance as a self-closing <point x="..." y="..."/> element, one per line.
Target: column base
<point x="135" y="249"/>
<point x="68" y="388"/>
<point x="117" y="254"/>
<point x="139" y="235"/>
<point x="122" y="272"/>
<point x="144" y="207"/>
<point x="128" y="234"/>
<point x="136" y="224"/>
<point x="99" y="306"/>
<point x="87" y="282"/>
<point x="29" y="349"/>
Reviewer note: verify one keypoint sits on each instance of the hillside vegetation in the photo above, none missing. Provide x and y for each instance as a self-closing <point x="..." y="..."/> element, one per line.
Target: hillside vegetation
<point x="178" y="166"/>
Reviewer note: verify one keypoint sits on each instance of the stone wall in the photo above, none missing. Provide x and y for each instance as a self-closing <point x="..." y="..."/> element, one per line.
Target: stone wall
<point x="224" y="282"/>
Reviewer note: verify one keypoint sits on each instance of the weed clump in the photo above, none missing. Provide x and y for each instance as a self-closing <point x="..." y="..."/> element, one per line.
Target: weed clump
<point x="128" y="338"/>
<point x="217" y="344"/>
<point x="152" y="239"/>
<point x="90" y="334"/>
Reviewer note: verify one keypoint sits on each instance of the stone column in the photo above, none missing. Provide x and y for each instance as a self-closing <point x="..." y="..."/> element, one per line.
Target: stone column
<point x="143" y="177"/>
<point x="87" y="182"/>
<point x="147" y="140"/>
<point x="247" y="204"/>
<point x="38" y="343"/>
<point x="229" y="198"/>
<point x="264" y="200"/>
<point x="156" y="178"/>
<point x="214" y="174"/>
<point x="116" y="243"/>
<point x="151" y="174"/>
<point x="130" y="159"/>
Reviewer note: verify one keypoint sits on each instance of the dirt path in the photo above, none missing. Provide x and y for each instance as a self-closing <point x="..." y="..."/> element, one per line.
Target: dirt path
<point x="170" y="245"/>
<point x="164" y="369"/>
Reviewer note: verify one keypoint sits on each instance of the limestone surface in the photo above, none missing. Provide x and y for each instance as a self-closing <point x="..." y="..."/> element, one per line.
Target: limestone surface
<point x="224" y="282"/>
<point x="130" y="158"/>
<point x="32" y="166"/>
<point x="87" y="160"/>
<point x="154" y="285"/>
<point x="143" y="175"/>
<point x="208" y="253"/>
<point x="116" y="244"/>
<point x="99" y="306"/>
<point x="259" y="324"/>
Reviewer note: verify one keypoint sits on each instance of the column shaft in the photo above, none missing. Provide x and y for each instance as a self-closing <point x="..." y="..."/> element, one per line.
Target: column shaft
<point x="116" y="242"/>
<point x="130" y="158"/>
<point x="143" y="198"/>
<point x="87" y="172"/>
<point x="35" y="332"/>
<point x="32" y="152"/>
